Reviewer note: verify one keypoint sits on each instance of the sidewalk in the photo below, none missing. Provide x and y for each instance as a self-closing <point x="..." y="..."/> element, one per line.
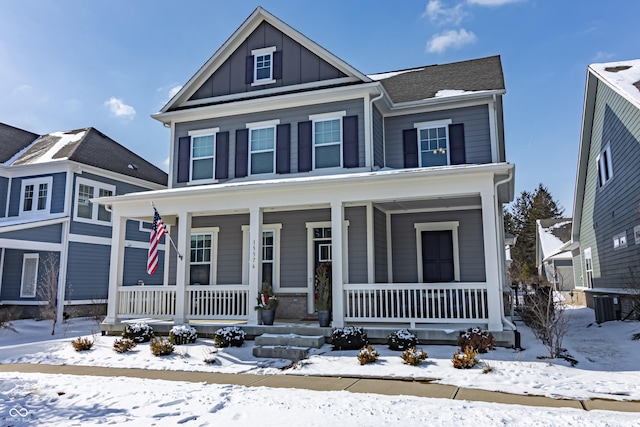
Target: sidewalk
<point x="386" y="386"/>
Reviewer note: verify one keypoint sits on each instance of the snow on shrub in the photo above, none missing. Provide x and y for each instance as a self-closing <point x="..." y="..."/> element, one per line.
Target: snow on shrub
<point x="401" y="340"/>
<point x="139" y="332"/>
<point x="231" y="336"/>
<point x="183" y="334"/>
<point x="349" y="338"/>
<point x="412" y="356"/>
<point x="477" y="339"/>
<point x="367" y="354"/>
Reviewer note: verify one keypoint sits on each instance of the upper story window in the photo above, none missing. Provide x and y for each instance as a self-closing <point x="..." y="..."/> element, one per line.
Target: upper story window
<point x="203" y="144"/>
<point x="605" y="166"/>
<point x="433" y="143"/>
<point x="263" y="60"/>
<point x="85" y="210"/>
<point x="35" y="196"/>
<point x="262" y="143"/>
<point x="327" y="140"/>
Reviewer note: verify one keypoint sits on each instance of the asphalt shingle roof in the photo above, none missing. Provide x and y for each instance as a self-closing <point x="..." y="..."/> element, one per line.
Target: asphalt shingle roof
<point x="12" y="140"/>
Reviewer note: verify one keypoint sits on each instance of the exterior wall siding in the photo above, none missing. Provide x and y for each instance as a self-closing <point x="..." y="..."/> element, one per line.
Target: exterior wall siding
<point x="476" y="133"/>
<point x="378" y="138"/>
<point x="88" y="271"/>
<point x="135" y="267"/>
<point x="4" y="193"/>
<point x="47" y="234"/>
<point x="470" y="240"/>
<point x="612" y="208"/>
<point x="289" y="115"/>
<point x="57" y="193"/>
<point x="357" y="217"/>
<point x="380" y="245"/>
<point x="12" y="273"/>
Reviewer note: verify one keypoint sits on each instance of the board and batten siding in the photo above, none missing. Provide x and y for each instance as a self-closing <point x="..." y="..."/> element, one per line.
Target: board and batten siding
<point x="380" y="245"/>
<point x="12" y="273"/>
<point x="57" y="192"/>
<point x="291" y="116"/>
<point x="299" y="65"/>
<point x="612" y="208"/>
<point x="4" y="193"/>
<point x="470" y="240"/>
<point x="477" y="135"/>
<point x="378" y="138"/>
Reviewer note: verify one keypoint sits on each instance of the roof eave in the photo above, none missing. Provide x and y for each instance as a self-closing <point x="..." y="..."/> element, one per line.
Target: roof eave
<point x="448" y="99"/>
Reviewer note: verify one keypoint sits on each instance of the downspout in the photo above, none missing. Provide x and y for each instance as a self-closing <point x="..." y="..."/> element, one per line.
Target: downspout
<point x="373" y="156"/>
<point x="501" y="250"/>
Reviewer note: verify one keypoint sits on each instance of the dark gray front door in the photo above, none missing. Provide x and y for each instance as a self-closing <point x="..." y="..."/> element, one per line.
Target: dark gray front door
<point x="437" y="256"/>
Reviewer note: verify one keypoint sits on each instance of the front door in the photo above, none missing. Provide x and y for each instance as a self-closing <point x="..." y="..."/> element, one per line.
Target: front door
<point x="437" y="256"/>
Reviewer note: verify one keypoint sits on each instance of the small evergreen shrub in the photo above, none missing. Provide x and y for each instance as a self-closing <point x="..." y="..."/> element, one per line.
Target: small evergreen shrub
<point x="161" y="347"/>
<point x="231" y="336"/>
<point x="123" y="345"/>
<point x="368" y="354"/>
<point x="412" y="356"/>
<point x="465" y="360"/>
<point x="477" y="339"/>
<point x="139" y="332"/>
<point x="183" y="334"/>
<point x="82" y="344"/>
<point x="401" y="340"/>
<point x="348" y="338"/>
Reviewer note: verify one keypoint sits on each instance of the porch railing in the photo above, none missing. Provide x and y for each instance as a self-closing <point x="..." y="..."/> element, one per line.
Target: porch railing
<point x="416" y="303"/>
<point x="146" y="301"/>
<point x="217" y="302"/>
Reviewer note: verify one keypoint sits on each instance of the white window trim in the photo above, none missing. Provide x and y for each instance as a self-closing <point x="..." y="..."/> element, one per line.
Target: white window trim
<point x="262" y="52"/>
<point x="213" y="270"/>
<point x="325" y="118"/>
<point x="636" y="234"/>
<point x="25" y="257"/>
<point x="97" y="186"/>
<point x="200" y="133"/>
<point x="430" y="125"/>
<point x="276" y="228"/>
<point x="587" y="255"/>
<point x="36" y="183"/>
<point x="142" y="228"/>
<point x="620" y="241"/>
<point x="599" y="165"/>
<point x="438" y="226"/>
<point x="270" y="124"/>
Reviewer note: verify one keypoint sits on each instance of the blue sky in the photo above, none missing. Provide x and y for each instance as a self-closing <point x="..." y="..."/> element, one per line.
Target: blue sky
<point x="69" y="64"/>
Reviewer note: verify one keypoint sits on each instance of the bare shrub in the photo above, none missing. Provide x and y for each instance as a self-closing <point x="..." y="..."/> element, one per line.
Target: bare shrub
<point x="82" y="343"/>
<point x="48" y="290"/>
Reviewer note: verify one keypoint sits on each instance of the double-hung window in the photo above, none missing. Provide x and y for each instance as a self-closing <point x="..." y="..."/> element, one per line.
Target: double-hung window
<point x="85" y="210"/>
<point x="36" y="196"/>
<point x="588" y="268"/>
<point x="605" y="166"/>
<point x="268" y="256"/>
<point x="327" y="140"/>
<point x="433" y="143"/>
<point x="203" y="148"/>
<point x="263" y="65"/>
<point x="262" y="142"/>
<point x="202" y="265"/>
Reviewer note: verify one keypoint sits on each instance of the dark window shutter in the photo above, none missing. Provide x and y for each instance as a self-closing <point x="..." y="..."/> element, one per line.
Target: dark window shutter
<point x="277" y="64"/>
<point x="283" y="148"/>
<point x="184" y="158"/>
<point x="350" y="152"/>
<point x="410" y="145"/>
<point x="222" y="155"/>
<point x="456" y="144"/>
<point x="248" y="76"/>
<point x="242" y="152"/>
<point x="304" y="146"/>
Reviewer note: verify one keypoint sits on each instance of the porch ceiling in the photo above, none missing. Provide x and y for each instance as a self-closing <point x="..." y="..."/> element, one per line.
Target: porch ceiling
<point x="440" y="203"/>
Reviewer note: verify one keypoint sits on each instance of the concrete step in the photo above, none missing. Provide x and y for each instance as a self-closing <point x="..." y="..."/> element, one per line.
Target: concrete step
<point x="290" y="340"/>
<point x="281" y="352"/>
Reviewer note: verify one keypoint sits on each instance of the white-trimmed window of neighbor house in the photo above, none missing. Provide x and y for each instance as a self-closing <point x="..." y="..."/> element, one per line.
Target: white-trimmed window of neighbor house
<point x="29" y="275"/>
<point x="262" y="145"/>
<point x="433" y="143"/>
<point x="604" y="166"/>
<point x="85" y="210"/>
<point x="588" y="268"/>
<point x="203" y="148"/>
<point x="35" y="196"/>
<point x="202" y="256"/>
<point x="327" y="140"/>
<point x="263" y="65"/>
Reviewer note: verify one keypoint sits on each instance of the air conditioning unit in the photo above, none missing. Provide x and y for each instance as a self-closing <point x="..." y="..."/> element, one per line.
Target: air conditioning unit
<point x="607" y="308"/>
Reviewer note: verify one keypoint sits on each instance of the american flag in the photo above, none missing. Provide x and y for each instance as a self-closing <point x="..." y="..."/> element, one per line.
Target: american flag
<point x="157" y="231"/>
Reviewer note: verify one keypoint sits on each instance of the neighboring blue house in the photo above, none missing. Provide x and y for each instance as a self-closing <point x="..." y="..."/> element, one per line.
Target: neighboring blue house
<point x="47" y="217"/>
<point x="284" y="157"/>
<point x="606" y="211"/>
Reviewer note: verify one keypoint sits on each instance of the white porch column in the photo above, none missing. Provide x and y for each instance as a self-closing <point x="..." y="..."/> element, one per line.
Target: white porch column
<point x="492" y="259"/>
<point x="116" y="265"/>
<point x="182" y="270"/>
<point x="62" y="273"/>
<point x="371" y="263"/>
<point x="337" y="267"/>
<point x="255" y="259"/>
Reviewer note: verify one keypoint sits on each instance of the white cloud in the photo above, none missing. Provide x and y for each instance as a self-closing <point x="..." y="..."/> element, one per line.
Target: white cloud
<point x="492" y="2"/>
<point x="450" y="39"/>
<point x="603" y="56"/>
<point x="437" y="12"/>
<point x="174" y="90"/>
<point x="119" y="109"/>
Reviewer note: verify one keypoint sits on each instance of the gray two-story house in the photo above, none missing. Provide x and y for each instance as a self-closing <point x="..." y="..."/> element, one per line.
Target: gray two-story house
<point x="606" y="219"/>
<point x="55" y="243"/>
<point x="284" y="157"/>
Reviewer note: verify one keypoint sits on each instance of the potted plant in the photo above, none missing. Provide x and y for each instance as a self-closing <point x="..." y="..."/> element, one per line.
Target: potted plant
<point x="322" y="297"/>
<point x="267" y="304"/>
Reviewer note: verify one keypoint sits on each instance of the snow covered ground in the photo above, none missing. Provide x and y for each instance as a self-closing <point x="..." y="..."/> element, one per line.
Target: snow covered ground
<point x="607" y="368"/>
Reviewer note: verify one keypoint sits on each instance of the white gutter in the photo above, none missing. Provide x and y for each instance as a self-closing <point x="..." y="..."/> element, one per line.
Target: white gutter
<point x="372" y="119"/>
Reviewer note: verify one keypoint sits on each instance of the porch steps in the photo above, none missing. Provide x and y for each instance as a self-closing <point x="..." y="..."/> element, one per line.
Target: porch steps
<point x="286" y="346"/>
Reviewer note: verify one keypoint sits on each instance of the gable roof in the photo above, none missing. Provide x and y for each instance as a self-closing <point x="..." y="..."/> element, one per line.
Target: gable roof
<point x="12" y="140"/>
<point x="91" y="147"/>
<point x="622" y="76"/>
<point x="552" y="234"/>
<point x="435" y="81"/>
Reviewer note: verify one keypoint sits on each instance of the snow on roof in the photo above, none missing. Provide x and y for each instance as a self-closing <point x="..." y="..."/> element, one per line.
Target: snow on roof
<point x="390" y="74"/>
<point x="549" y="232"/>
<point x="444" y="93"/>
<point x="46" y="147"/>
<point x="623" y="75"/>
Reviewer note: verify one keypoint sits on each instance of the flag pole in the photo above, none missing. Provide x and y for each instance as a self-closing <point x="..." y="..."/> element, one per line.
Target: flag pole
<point x="169" y="237"/>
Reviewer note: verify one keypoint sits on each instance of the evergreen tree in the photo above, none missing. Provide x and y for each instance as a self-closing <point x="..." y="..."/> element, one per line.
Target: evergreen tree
<point x="521" y="221"/>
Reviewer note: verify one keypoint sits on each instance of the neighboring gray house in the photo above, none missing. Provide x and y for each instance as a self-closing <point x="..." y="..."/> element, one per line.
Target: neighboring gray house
<point x="47" y="218"/>
<point x="283" y="156"/>
<point x="554" y="262"/>
<point x="606" y="220"/>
